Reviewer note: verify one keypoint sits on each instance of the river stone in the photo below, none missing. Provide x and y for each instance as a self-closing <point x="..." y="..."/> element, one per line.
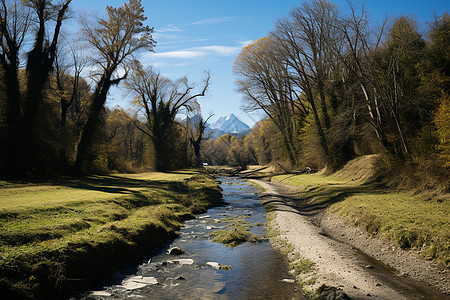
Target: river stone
<point x="137" y="282"/>
<point x="215" y="265"/>
<point x="175" y="251"/>
<point x="183" y="261"/>
<point x="131" y="285"/>
<point x="101" y="293"/>
<point x="213" y="227"/>
<point x="287" y="280"/>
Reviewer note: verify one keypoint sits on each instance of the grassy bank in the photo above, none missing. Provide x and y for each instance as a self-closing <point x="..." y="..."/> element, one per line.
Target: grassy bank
<point x="59" y="236"/>
<point x="410" y="219"/>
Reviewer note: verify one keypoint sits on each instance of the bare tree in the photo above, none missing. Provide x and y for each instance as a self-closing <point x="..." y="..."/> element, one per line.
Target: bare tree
<point x="115" y="40"/>
<point x="159" y="100"/>
<point x="303" y="41"/>
<point x="266" y="85"/>
<point x="69" y="64"/>
<point x="196" y="133"/>
<point x="378" y="84"/>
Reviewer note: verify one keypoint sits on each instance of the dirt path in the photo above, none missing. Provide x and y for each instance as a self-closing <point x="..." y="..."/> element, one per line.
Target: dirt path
<point x="338" y="264"/>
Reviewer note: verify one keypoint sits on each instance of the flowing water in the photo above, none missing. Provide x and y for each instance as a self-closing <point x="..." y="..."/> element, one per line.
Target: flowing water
<point x="257" y="270"/>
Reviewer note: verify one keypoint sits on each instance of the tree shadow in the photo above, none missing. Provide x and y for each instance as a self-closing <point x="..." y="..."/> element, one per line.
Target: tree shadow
<point x="317" y="199"/>
<point x="106" y="183"/>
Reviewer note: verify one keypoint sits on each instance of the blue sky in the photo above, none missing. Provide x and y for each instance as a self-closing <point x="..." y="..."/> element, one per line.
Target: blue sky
<point x="198" y="35"/>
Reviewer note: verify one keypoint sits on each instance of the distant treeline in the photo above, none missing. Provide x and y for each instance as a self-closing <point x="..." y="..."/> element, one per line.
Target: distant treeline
<point x="54" y="87"/>
<point x="334" y="87"/>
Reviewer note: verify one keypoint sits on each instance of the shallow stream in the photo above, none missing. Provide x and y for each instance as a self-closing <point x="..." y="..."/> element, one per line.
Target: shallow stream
<point x="257" y="271"/>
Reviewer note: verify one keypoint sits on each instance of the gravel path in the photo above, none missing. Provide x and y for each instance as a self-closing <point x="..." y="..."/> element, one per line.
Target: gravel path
<point x="338" y="264"/>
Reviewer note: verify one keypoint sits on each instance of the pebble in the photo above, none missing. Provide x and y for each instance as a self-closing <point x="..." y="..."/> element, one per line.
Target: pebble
<point x="215" y="265"/>
<point x="287" y="280"/>
<point x="137" y="282"/>
<point x="175" y="251"/>
<point x="184" y="261"/>
<point x="101" y="293"/>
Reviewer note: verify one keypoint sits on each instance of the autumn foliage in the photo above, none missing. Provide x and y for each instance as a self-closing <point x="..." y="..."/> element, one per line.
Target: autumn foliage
<point x="334" y="87"/>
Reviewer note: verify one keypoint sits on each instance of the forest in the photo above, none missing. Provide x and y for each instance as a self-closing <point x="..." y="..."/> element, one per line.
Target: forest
<point x="53" y="117"/>
<point x="333" y="87"/>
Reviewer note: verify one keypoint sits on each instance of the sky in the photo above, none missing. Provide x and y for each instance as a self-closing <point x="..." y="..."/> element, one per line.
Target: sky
<point x="194" y="36"/>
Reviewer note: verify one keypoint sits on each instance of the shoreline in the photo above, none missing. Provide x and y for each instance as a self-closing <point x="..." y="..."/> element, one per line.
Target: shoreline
<point x="333" y="248"/>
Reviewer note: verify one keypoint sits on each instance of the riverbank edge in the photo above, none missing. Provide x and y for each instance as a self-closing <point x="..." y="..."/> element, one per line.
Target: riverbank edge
<point x="303" y="269"/>
<point x="87" y="265"/>
<point x="408" y="263"/>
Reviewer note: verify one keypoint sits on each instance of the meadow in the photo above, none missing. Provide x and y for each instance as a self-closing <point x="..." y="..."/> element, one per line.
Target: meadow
<point x="62" y="234"/>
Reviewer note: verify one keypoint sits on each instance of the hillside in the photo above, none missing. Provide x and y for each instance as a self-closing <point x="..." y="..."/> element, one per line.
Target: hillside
<point x="405" y="229"/>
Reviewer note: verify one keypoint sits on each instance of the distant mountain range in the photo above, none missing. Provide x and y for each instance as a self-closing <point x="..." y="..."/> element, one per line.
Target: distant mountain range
<point x="230" y="124"/>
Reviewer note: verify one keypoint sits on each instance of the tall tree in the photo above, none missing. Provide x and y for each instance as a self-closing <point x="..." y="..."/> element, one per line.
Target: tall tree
<point x="196" y="133"/>
<point x="376" y="67"/>
<point x="114" y="40"/>
<point x="160" y="100"/>
<point x="266" y="85"/>
<point x="303" y="39"/>
<point x="18" y="21"/>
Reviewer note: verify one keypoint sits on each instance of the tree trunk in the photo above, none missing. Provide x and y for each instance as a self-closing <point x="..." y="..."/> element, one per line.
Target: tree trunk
<point x="323" y="102"/>
<point x="16" y="159"/>
<point x="322" y="137"/>
<point x="92" y="123"/>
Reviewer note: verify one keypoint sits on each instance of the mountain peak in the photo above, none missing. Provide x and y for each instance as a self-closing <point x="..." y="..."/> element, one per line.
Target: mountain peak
<point x="230" y="124"/>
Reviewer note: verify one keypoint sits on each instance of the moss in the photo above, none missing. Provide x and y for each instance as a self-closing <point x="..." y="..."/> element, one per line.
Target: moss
<point x="233" y="236"/>
<point x="237" y="232"/>
<point x="225" y="267"/>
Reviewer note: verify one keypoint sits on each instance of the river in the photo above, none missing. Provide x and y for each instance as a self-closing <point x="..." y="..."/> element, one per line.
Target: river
<point x="258" y="271"/>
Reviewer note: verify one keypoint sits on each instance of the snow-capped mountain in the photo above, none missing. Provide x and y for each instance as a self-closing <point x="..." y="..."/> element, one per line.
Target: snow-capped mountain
<point x="229" y="124"/>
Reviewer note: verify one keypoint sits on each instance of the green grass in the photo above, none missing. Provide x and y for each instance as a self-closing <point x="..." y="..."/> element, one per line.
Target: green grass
<point x="410" y="220"/>
<point x="303" y="266"/>
<point x="236" y="232"/>
<point x="55" y="235"/>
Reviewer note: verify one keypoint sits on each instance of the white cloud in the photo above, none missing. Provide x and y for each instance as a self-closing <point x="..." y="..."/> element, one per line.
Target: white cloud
<point x="215" y="20"/>
<point x="182" y="40"/>
<point x="180" y="54"/>
<point x="169" y="28"/>
<point x="246" y="43"/>
<point x="222" y="50"/>
<point x="166" y="36"/>
<point x="198" y="52"/>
